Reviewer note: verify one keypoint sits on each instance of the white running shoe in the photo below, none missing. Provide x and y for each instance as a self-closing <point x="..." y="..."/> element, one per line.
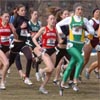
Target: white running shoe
<point x="75" y="87"/>
<point x="43" y="90"/>
<point x="64" y="86"/>
<point x="37" y="76"/>
<point x="56" y="82"/>
<point x="87" y="75"/>
<point x="28" y="81"/>
<point x="2" y="86"/>
<point x="97" y="74"/>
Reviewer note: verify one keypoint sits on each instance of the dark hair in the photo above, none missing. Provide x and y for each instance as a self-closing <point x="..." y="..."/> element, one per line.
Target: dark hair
<point x="12" y="11"/>
<point x="58" y="15"/>
<point x="3" y="12"/>
<point x="77" y="5"/>
<point x="31" y="10"/>
<point x="47" y="15"/>
<point x="20" y="6"/>
<point x="94" y="10"/>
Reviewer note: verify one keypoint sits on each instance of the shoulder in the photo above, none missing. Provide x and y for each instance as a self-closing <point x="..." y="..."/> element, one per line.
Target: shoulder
<point x="91" y="21"/>
<point x="43" y="28"/>
<point x="66" y="20"/>
<point x="85" y="20"/>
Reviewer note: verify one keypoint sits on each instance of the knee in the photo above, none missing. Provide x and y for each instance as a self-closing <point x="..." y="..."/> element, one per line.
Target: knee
<point x="50" y="69"/>
<point x="68" y="69"/>
<point x="70" y="66"/>
<point x="81" y="61"/>
<point x="6" y="64"/>
<point x="29" y="58"/>
<point x="17" y="57"/>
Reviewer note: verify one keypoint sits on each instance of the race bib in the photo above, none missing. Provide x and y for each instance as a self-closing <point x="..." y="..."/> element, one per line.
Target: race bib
<point x="51" y="42"/>
<point x="76" y="31"/>
<point x="4" y="39"/>
<point x="24" y="33"/>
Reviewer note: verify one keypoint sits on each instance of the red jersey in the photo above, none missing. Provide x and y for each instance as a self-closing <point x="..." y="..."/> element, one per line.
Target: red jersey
<point x="49" y="38"/>
<point x="4" y="34"/>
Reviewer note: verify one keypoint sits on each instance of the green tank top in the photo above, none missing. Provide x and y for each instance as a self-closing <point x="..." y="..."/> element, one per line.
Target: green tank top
<point x="76" y="31"/>
<point x="34" y="28"/>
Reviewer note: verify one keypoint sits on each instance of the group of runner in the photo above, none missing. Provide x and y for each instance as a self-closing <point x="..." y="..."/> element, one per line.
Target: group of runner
<point x="59" y="45"/>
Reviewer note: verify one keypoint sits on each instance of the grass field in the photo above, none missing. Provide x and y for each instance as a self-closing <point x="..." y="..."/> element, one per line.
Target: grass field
<point x="17" y="90"/>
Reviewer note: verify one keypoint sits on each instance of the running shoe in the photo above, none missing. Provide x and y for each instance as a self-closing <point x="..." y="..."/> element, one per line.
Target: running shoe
<point x="56" y="82"/>
<point x="87" y="75"/>
<point x="70" y="83"/>
<point x="43" y="90"/>
<point x="75" y="87"/>
<point x="2" y="86"/>
<point x="28" y="81"/>
<point x="61" y="90"/>
<point x="97" y="74"/>
<point x="62" y="87"/>
<point x="65" y="86"/>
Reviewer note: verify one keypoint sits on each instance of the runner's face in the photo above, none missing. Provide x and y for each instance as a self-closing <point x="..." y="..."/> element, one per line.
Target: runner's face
<point x="51" y="20"/>
<point x="35" y="15"/>
<point x="79" y="11"/>
<point x="97" y="14"/>
<point x="5" y="17"/>
<point x="65" y="14"/>
<point x="22" y="11"/>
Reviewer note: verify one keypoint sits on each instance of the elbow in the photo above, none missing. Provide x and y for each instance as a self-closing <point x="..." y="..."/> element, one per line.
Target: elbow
<point x="33" y="39"/>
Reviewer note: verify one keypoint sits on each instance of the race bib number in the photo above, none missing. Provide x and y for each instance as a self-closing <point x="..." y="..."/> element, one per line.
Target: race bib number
<point x="4" y="39"/>
<point x="69" y="45"/>
<point x="77" y="31"/>
<point x="51" y="42"/>
<point x="24" y="33"/>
